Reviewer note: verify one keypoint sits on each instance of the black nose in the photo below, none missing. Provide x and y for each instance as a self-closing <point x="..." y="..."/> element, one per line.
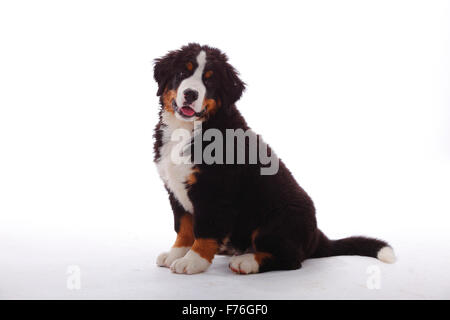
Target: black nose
<point x="190" y="95"/>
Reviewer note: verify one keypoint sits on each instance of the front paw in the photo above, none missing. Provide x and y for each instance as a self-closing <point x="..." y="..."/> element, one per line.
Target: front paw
<point x="191" y="263"/>
<point x="165" y="259"/>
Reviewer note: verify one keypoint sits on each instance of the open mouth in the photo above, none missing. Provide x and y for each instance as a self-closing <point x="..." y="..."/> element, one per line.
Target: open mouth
<point x="186" y="111"/>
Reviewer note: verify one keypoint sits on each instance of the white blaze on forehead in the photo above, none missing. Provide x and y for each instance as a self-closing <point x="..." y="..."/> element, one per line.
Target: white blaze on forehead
<point x="194" y="82"/>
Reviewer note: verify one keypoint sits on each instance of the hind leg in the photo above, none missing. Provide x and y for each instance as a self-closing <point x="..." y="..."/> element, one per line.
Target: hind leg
<point x="280" y="245"/>
<point x="270" y="253"/>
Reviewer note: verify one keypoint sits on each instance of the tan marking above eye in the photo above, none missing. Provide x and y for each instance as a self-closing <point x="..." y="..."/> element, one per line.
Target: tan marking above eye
<point x="189" y="66"/>
<point x="208" y="74"/>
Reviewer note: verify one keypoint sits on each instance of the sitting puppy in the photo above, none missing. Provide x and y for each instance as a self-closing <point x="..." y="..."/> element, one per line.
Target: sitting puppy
<point x="230" y="206"/>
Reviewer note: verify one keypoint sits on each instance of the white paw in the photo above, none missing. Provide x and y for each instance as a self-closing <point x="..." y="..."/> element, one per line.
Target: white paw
<point x="165" y="259"/>
<point x="191" y="263"/>
<point x="386" y="254"/>
<point x="244" y="264"/>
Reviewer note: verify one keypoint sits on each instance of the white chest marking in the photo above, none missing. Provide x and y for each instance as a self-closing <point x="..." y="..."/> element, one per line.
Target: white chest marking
<point x="172" y="173"/>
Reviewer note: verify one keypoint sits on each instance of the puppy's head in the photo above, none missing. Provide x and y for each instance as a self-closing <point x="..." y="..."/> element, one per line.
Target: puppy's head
<point x="194" y="81"/>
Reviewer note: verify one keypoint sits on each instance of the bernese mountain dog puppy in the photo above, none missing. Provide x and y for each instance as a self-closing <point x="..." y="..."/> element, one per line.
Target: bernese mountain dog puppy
<point x="265" y="220"/>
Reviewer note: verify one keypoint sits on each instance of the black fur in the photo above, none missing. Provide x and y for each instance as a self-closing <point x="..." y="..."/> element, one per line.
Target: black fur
<point x="236" y="200"/>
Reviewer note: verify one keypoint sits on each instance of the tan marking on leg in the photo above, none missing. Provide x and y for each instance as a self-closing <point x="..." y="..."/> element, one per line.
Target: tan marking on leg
<point x="206" y="248"/>
<point x="185" y="235"/>
<point x="260" y="256"/>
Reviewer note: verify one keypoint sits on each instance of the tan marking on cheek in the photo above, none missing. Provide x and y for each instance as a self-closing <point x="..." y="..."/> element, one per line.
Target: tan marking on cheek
<point x="260" y="256"/>
<point x="168" y="96"/>
<point x="211" y="106"/>
<point x="185" y="235"/>
<point x="192" y="178"/>
<point x="206" y="248"/>
<point x="208" y="74"/>
<point x="189" y="66"/>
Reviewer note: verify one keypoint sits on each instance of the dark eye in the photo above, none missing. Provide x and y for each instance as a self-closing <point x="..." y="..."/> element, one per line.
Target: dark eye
<point x="181" y="74"/>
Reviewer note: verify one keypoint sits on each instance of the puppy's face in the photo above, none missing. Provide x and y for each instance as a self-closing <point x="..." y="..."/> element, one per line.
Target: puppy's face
<point x="195" y="81"/>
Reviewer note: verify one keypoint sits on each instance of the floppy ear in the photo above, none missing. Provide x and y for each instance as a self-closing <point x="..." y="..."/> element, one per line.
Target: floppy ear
<point x="163" y="69"/>
<point x="233" y="86"/>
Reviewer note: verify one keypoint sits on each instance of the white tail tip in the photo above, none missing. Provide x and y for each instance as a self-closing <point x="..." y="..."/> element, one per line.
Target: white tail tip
<point x="386" y="254"/>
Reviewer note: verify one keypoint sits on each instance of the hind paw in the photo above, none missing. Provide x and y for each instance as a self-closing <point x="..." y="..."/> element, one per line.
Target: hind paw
<point x="244" y="264"/>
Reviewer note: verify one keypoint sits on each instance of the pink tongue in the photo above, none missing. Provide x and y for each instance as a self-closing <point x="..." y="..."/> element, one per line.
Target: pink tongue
<point x="187" y="111"/>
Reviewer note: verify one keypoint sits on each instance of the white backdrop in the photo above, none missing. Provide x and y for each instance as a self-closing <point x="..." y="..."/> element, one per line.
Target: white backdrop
<point x="352" y="95"/>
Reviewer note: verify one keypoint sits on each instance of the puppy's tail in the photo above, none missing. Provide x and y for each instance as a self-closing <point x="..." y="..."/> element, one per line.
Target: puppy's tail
<point x="360" y="246"/>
